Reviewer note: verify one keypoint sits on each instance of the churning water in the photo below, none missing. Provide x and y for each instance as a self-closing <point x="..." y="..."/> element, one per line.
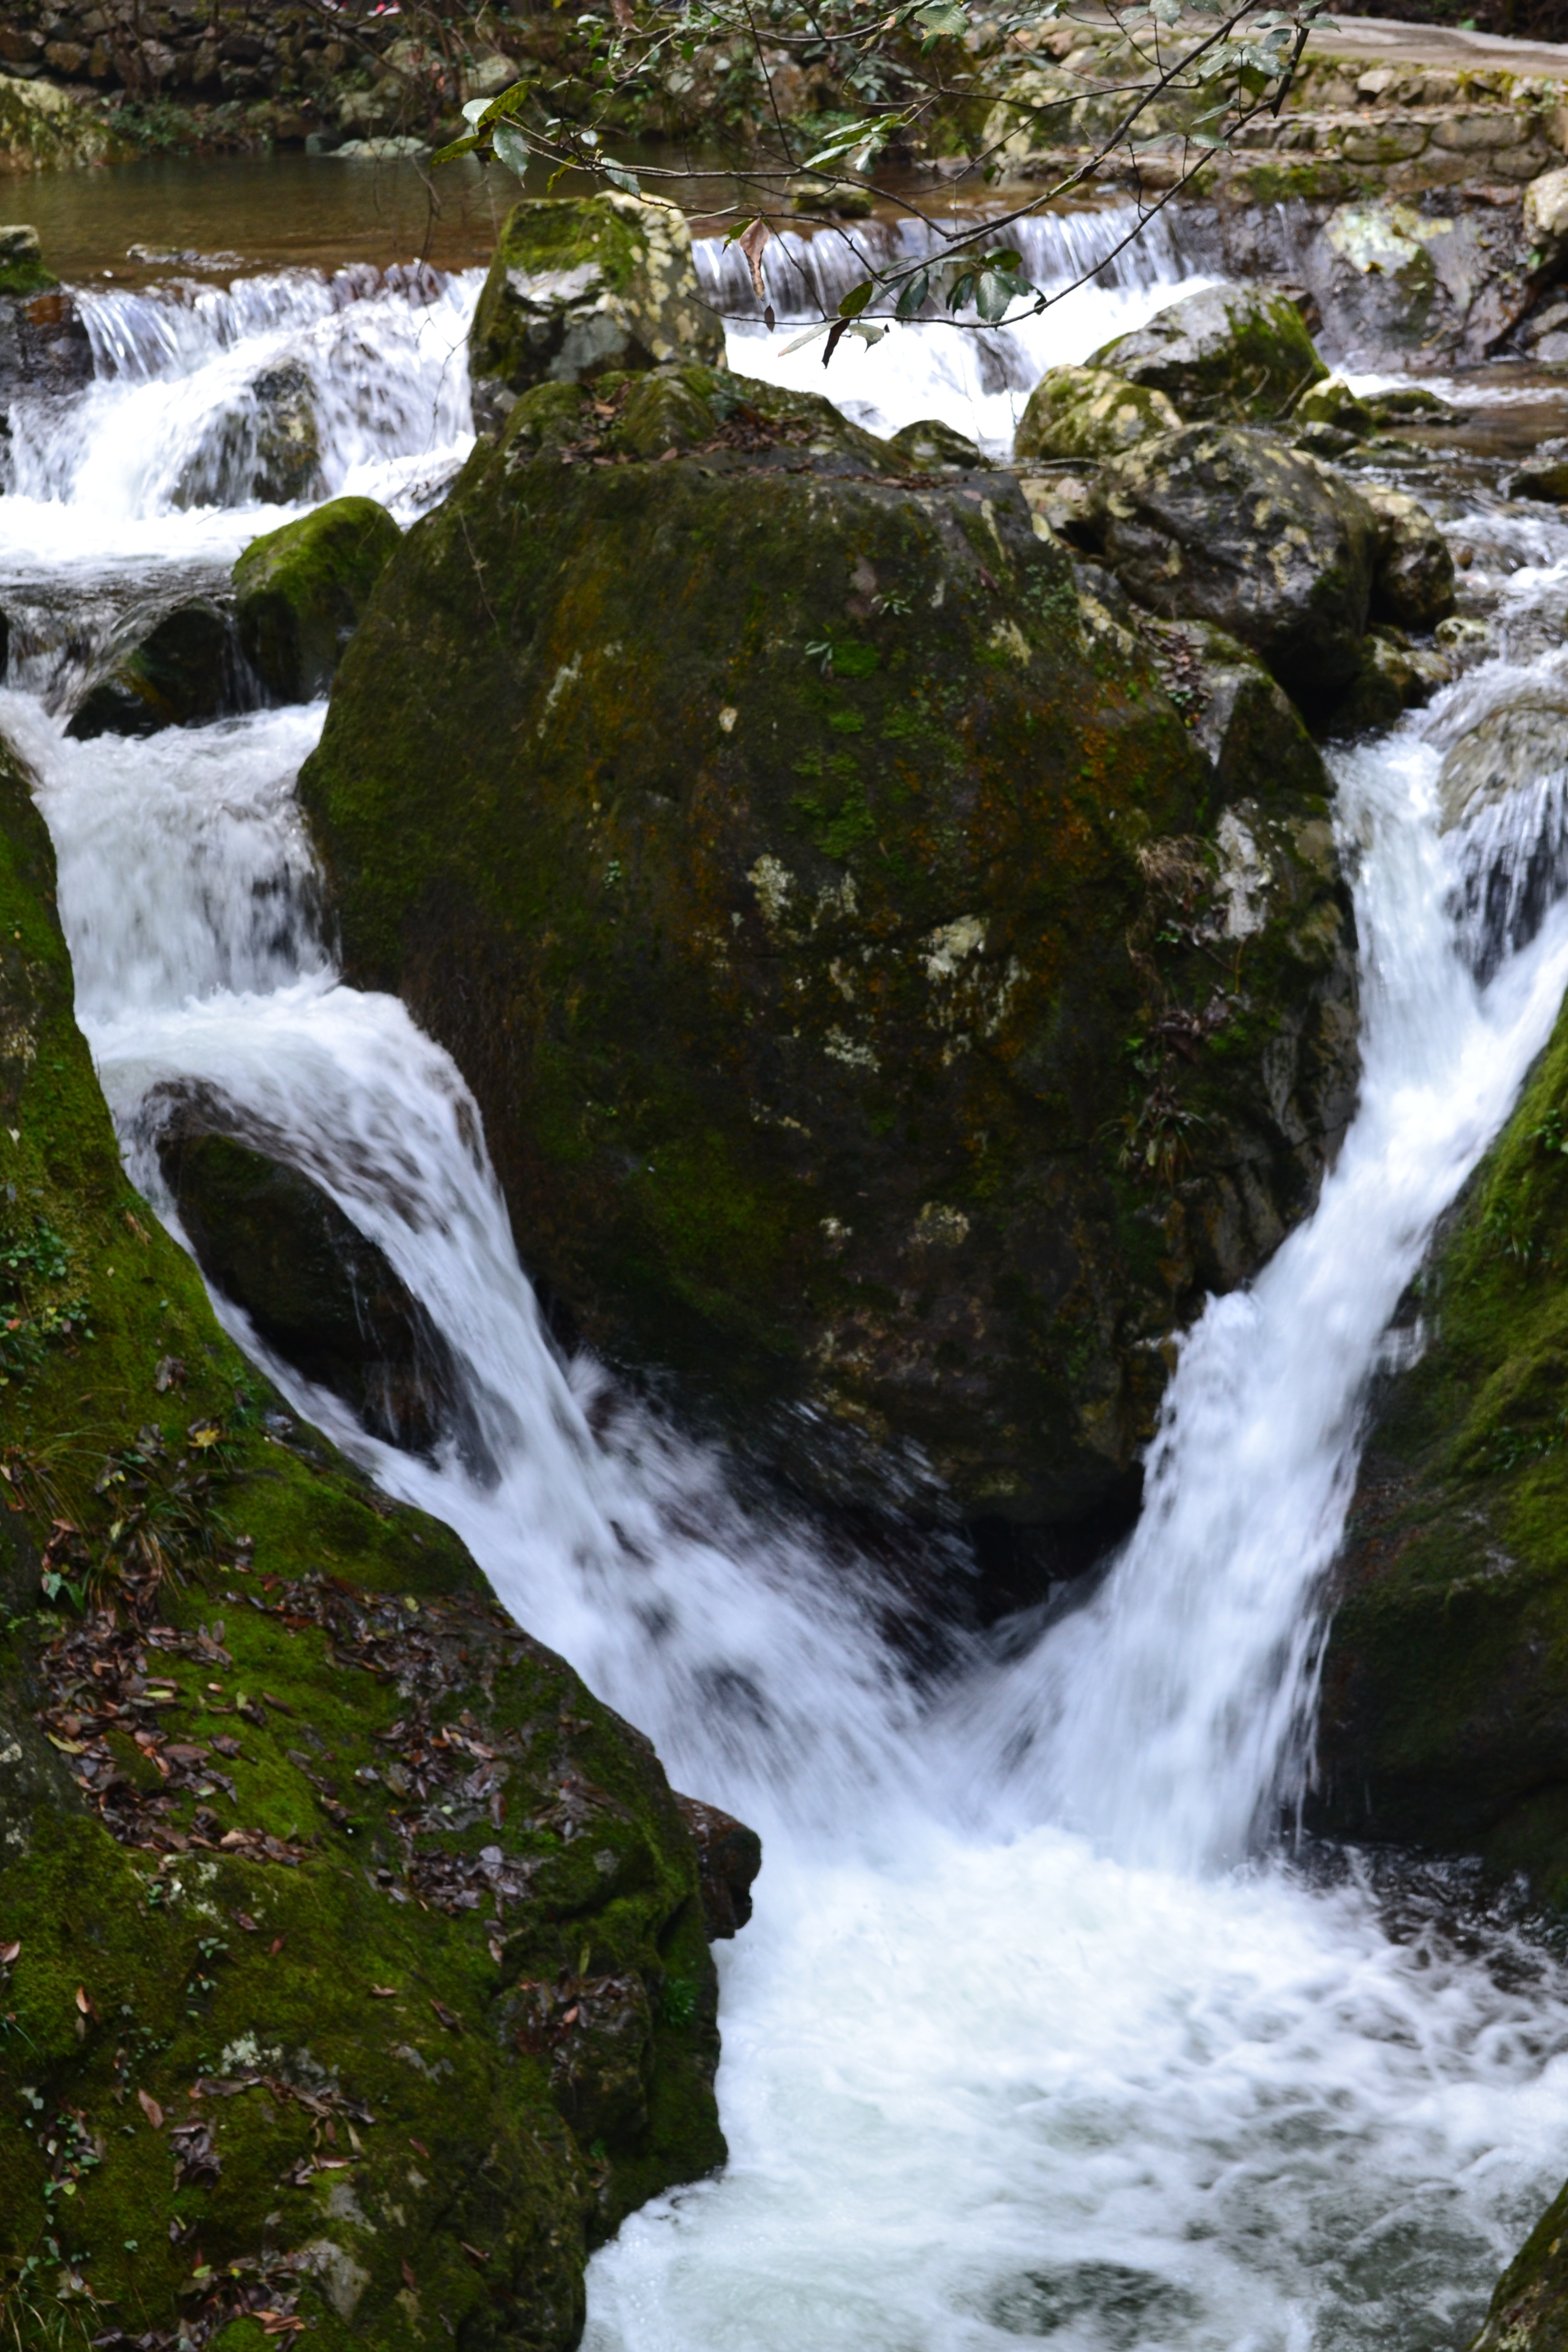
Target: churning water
<point x="1030" y="2039"/>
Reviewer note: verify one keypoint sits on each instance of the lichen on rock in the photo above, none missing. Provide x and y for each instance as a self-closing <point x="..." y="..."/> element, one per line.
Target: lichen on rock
<point x="581" y="286"/>
<point x="1235" y="354"/>
<point x="1091" y="411"/>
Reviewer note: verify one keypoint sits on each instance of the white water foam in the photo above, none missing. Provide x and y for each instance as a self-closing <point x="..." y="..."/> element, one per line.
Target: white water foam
<point x="1008" y="2054"/>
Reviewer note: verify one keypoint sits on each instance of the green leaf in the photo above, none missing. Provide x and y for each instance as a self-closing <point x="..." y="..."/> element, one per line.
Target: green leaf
<point x="513" y="148"/>
<point x="942" y="19"/>
<point x="911" y="294"/>
<point x="621" y="177"/>
<point x="449" y="154"/>
<point x="855" y="301"/>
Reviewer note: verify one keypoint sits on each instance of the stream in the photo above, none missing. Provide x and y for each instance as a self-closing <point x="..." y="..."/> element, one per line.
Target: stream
<point x="1042" y="2032"/>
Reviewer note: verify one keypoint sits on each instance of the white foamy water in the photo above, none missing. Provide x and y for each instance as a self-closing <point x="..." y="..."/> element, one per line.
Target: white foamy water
<point x="1014" y="2048"/>
<point x="974" y="378"/>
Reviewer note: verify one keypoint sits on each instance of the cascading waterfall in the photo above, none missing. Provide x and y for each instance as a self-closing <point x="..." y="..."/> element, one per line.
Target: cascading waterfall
<point x="1011" y="2051"/>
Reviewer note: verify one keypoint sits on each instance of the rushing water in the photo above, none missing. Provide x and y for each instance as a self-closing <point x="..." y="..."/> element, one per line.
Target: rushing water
<point x="1031" y="2038"/>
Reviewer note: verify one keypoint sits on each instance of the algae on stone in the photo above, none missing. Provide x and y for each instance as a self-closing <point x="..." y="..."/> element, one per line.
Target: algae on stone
<point x="1091" y="411"/>
<point x="299" y="593"/>
<point x="870" y="1008"/>
<point x="353" y="1962"/>
<point x="1232" y="354"/>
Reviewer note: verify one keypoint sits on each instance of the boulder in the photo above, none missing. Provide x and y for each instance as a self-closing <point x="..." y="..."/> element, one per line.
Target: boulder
<point x="1412" y="572"/>
<point x="1546" y="215"/>
<point x="315" y="1289"/>
<point x="934" y="447"/>
<point x="580" y="286"/>
<point x="1088" y="412"/>
<point x="264" y="451"/>
<point x="300" y="594"/>
<point x="45" y="351"/>
<point x="880" y="1022"/>
<point x="728" y="1855"/>
<point x="1229" y="525"/>
<point x="1240" y="719"/>
<point x="1397" y="283"/>
<point x="1528" y="2312"/>
<point x="22" y="267"/>
<point x="1331" y="402"/>
<point x="178" y="668"/>
<point x="1517" y="744"/>
<point x="1230" y="353"/>
<point x="275" y="1770"/>
<point x="1510" y="848"/>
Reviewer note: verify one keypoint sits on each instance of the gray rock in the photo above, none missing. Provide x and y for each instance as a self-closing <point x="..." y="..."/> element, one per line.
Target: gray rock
<point x="1545" y="475"/>
<point x="1229" y="525"/>
<point x="1231" y="352"/>
<point x="934" y="446"/>
<point x="1413" y="577"/>
<point x="1394" y="282"/>
<point x="1091" y="413"/>
<point x="1246" y="726"/>
<point x="265" y="451"/>
<point x="1512" y="748"/>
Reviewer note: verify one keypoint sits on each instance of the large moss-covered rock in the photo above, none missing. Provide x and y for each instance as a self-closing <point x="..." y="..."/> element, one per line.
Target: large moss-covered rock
<point x="1445" y="1717"/>
<point x="44" y="348"/>
<point x="299" y="593"/>
<point x="873" y="1004"/>
<point x="351" y="1962"/>
<point x="1232" y="354"/>
<point x="1231" y="525"/>
<point x="1091" y="411"/>
<point x="1529" y="2310"/>
<point x="580" y="286"/>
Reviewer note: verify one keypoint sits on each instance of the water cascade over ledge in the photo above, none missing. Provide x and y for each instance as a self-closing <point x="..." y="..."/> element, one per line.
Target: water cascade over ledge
<point x="1036" y="2033"/>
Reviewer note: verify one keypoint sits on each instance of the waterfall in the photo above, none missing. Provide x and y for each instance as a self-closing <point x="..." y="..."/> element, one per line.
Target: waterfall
<point x="1031" y="2037"/>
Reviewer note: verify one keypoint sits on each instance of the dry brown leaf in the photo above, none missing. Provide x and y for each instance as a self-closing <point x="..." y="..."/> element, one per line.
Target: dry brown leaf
<point x="151" y="2109"/>
<point x="8" y="1954"/>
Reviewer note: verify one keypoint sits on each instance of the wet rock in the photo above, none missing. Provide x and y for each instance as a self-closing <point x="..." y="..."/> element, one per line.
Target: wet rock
<point x="1412" y="572"/>
<point x="1523" y="740"/>
<point x="1545" y="476"/>
<point x="1091" y="411"/>
<point x="1331" y="403"/>
<point x="300" y="594"/>
<point x="1528" y="2312"/>
<point x="1397" y="282"/>
<point x="729" y="1856"/>
<point x="1231" y="525"/>
<point x="1231" y="353"/>
<point x="180" y="667"/>
<point x="876" y="1023"/>
<point x="934" y="447"/>
<point x="22" y="268"/>
<point x="581" y="286"/>
<point x="265" y="451"/>
<point x="1242" y="722"/>
<point x="44" y="352"/>
<point x="1545" y="216"/>
<point x="315" y="1288"/>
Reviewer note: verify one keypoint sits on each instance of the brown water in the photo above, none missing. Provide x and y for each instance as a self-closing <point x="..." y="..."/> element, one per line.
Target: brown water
<point x="259" y="212"/>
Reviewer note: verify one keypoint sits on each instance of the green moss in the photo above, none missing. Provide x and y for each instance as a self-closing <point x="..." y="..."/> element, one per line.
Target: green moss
<point x="299" y="593"/>
<point x="277" y="2036"/>
<point x="1448" y="1670"/>
<point x="783" y="797"/>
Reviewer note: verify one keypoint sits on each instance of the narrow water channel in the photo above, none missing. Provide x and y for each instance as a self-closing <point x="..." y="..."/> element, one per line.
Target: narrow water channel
<point x="1039" y="2033"/>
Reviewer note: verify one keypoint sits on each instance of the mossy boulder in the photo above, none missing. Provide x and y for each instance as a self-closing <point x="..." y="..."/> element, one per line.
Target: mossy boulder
<point x="300" y="594"/>
<point x="1230" y="353"/>
<point x="1529" y="2310"/>
<point x="1412" y="570"/>
<point x="174" y="668"/>
<point x="1090" y="412"/>
<point x="1228" y="524"/>
<point x="1445" y="1714"/>
<point x="22" y="270"/>
<point x="580" y="285"/>
<point x="826" y="908"/>
<point x="351" y="1957"/>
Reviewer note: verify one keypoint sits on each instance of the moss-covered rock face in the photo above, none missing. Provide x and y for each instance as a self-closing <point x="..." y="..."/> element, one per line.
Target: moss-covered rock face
<point x="1232" y="354"/>
<point x="299" y="593"/>
<point x="1529" y="2310"/>
<point x="351" y="1959"/>
<point x="23" y="271"/>
<point x="872" y="1002"/>
<point x="1445" y="1717"/>
<point x="583" y="285"/>
<point x="1090" y="412"/>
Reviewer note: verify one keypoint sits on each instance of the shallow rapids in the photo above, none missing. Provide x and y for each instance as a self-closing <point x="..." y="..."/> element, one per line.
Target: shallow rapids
<point x="1020" y="2045"/>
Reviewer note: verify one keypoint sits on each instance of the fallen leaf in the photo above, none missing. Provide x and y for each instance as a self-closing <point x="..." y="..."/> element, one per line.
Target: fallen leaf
<point x="448" y="2017"/>
<point x="66" y="1746"/>
<point x="420" y="2146"/>
<point x="82" y="2000"/>
<point x="383" y="1993"/>
<point x="408" y="2277"/>
<point x="205" y="1433"/>
<point x="245" y="1922"/>
<point x="8" y="1953"/>
<point x="151" y="2109"/>
<point x="274" y="1947"/>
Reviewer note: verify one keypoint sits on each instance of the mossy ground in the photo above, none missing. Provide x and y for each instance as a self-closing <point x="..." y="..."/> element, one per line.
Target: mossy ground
<point x="1445" y="1713"/>
<point x="351" y="1963"/>
<point x="772" y="858"/>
